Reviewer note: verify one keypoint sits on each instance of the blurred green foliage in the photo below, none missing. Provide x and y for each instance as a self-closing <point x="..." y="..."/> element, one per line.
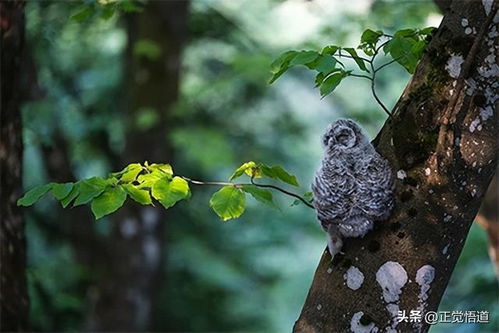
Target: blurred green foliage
<point x="251" y="274"/>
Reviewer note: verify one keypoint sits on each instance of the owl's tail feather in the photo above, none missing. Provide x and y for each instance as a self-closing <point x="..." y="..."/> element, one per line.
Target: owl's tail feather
<point x="334" y="241"/>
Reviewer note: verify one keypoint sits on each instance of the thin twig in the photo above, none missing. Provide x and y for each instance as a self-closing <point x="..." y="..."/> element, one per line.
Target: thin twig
<point x="362" y="76"/>
<point x="283" y="191"/>
<point x="387" y="64"/>
<point x="199" y="182"/>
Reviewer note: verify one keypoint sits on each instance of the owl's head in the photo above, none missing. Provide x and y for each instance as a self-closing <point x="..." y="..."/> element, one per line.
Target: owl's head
<point x="343" y="134"/>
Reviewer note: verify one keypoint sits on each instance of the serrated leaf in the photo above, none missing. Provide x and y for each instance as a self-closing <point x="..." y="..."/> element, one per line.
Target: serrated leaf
<point x="34" y="195"/>
<point x="108" y="202"/>
<point x="277" y="172"/>
<point x="131" y="172"/>
<point x="303" y="58"/>
<point x="250" y="168"/>
<point x="60" y="191"/>
<point x="168" y="193"/>
<point x="89" y="189"/>
<point x="165" y="168"/>
<point x="356" y="58"/>
<point x="261" y="195"/>
<point x="149" y="179"/>
<point x="330" y="83"/>
<point x="71" y="196"/>
<point x="228" y="203"/>
<point x="143" y="197"/>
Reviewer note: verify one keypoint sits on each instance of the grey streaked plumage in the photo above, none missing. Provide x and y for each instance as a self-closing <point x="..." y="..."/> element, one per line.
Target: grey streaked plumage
<point x="353" y="188"/>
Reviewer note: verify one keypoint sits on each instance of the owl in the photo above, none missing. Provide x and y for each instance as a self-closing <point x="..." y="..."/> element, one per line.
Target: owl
<point x="353" y="187"/>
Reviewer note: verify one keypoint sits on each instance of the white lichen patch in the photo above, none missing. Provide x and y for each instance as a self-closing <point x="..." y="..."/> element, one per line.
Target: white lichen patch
<point x="453" y="65"/>
<point x="392" y="277"/>
<point x="474" y="124"/>
<point x="487" y="6"/>
<point x="468" y="30"/>
<point x="354" y="278"/>
<point x="401" y="174"/>
<point x="357" y="327"/>
<point x="427" y="171"/>
<point x="424" y="277"/>
<point x="464" y="22"/>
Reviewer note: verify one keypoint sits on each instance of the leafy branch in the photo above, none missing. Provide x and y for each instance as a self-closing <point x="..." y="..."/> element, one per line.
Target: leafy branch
<point x="143" y="183"/>
<point x="404" y="47"/>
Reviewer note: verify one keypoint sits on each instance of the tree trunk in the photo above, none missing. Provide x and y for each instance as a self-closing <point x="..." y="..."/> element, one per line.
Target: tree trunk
<point x="442" y="145"/>
<point x="13" y="296"/>
<point x="128" y="285"/>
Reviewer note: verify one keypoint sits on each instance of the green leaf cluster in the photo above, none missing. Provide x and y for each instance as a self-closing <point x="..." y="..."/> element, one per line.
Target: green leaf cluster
<point x="405" y="47"/>
<point x="140" y="182"/>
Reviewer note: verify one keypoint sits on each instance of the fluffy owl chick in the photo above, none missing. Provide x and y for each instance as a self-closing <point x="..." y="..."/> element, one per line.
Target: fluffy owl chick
<point x="353" y="187"/>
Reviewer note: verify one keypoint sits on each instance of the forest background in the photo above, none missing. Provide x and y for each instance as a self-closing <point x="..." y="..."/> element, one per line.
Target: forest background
<point x="90" y="109"/>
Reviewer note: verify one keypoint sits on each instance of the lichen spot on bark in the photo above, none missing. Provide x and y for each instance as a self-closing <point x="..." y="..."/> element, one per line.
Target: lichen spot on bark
<point x="353" y="278"/>
<point x="454" y="64"/>
<point x="357" y="327"/>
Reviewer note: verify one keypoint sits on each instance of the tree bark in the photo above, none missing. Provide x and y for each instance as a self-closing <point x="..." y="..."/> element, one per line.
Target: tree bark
<point x="128" y="286"/>
<point x="442" y="145"/>
<point x="13" y="296"/>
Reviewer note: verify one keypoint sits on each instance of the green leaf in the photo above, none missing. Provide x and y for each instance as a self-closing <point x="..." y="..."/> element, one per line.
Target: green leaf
<point x="131" y="172"/>
<point x="141" y="196"/>
<point x="356" y="58"/>
<point x="83" y="15"/>
<point x="168" y="193"/>
<point x="60" y="191"/>
<point x="277" y="172"/>
<point x="109" y="201"/>
<point x="331" y="82"/>
<point x="304" y="57"/>
<point x="368" y="41"/>
<point x="401" y="49"/>
<point x="34" y="195"/>
<point x="405" y="33"/>
<point x="281" y="65"/>
<point x="89" y="189"/>
<point x="325" y="64"/>
<point x="71" y="196"/>
<point x="370" y="36"/>
<point x="277" y="64"/>
<point x="330" y="49"/>
<point x="427" y="31"/>
<point x="228" y="203"/>
<point x="165" y="168"/>
<point x="250" y="168"/>
<point x="149" y="179"/>
<point x="261" y="195"/>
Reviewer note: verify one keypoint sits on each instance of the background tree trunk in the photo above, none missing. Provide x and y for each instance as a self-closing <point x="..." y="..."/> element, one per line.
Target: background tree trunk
<point x="442" y="145"/>
<point x="13" y="296"/>
<point x="129" y="283"/>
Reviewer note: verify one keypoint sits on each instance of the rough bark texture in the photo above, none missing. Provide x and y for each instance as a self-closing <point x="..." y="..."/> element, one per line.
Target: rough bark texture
<point x="13" y="296"/>
<point x="126" y="294"/>
<point x="442" y="144"/>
